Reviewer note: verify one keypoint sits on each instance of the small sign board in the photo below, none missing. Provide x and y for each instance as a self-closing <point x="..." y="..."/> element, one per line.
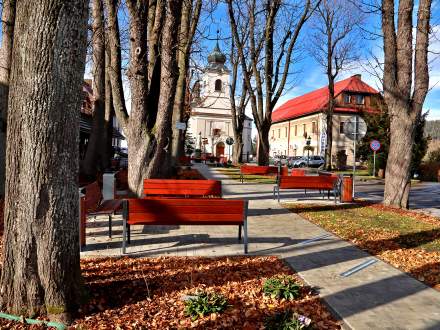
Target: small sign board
<point x="180" y="125"/>
<point x="375" y="145"/>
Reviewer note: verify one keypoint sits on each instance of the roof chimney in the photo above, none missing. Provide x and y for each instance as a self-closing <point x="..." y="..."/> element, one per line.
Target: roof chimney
<point x="358" y="76"/>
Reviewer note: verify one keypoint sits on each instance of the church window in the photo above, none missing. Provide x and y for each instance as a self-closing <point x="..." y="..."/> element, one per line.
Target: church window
<point x="218" y="85"/>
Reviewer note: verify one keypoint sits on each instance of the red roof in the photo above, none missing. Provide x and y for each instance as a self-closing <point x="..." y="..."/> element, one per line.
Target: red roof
<point x="316" y="101"/>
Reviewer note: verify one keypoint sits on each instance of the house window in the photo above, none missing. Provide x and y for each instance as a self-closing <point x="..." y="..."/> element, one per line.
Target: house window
<point x="285" y="130"/>
<point x="279" y="132"/>
<point x="305" y="130"/>
<point x="296" y="130"/>
<point x="347" y="98"/>
<point x="341" y="127"/>
<point x="359" y="99"/>
<point x="218" y="85"/>
<point x="314" y="127"/>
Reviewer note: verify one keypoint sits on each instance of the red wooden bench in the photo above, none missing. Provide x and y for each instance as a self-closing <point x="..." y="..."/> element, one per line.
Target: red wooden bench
<point x="184" y="211"/>
<point x="328" y="183"/>
<point x="94" y="204"/>
<point x="298" y="172"/>
<point x="257" y="170"/>
<point x="182" y="188"/>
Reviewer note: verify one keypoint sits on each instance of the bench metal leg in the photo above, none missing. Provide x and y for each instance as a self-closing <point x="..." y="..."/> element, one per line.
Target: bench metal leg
<point x="245" y="231"/>
<point x="110" y="226"/>
<point x="278" y="189"/>
<point x="128" y="234"/>
<point x="328" y="194"/>
<point x="239" y="233"/>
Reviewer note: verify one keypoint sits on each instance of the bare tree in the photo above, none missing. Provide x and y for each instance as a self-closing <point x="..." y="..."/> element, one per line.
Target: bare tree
<point x="239" y="96"/>
<point x="8" y="20"/>
<point x="41" y="270"/>
<point x="95" y="149"/>
<point x="334" y="47"/>
<point x="190" y="17"/>
<point x="153" y="74"/>
<point x="405" y="82"/>
<point x="274" y="27"/>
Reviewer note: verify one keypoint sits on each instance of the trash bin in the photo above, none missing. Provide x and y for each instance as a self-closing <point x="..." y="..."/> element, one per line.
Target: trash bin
<point x="347" y="189"/>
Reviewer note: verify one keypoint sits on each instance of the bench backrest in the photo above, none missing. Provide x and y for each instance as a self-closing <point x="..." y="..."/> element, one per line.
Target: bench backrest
<point x="325" y="173"/>
<point x="307" y="182"/>
<point x="284" y="170"/>
<point x="251" y="169"/>
<point x="182" y="188"/>
<point x="298" y="172"/>
<point x="189" y="211"/>
<point x="93" y="196"/>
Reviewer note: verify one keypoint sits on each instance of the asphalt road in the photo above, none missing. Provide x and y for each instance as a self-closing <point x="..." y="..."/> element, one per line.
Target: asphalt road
<point x="424" y="196"/>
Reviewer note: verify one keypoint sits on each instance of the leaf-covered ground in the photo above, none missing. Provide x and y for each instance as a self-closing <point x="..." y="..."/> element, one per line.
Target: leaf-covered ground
<point x="146" y="293"/>
<point x="407" y="240"/>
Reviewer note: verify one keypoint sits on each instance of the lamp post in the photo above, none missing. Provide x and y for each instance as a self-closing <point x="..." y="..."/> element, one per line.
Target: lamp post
<point x="308" y="141"/>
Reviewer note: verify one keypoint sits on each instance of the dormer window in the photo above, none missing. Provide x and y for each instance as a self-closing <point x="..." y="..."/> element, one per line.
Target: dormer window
<point x="360" y="99"/>
<point x="218" y="85"/>
<point x="347" y="98"/>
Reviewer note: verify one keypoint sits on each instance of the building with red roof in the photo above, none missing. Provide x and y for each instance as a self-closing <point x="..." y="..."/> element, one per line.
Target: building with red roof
<point x="304" y="116"/>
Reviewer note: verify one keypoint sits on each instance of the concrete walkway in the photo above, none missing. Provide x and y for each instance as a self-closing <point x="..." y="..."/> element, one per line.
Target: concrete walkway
<point x="377" y="297"/>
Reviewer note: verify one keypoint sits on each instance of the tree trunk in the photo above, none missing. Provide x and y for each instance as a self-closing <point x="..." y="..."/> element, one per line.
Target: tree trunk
<point x="237" y="153"/>
<point x="41" y="270"/>
<point x="263" y="147"/>
<point x="95" y="150"/>
<point x="8" y="19"/>
<point x="329" y="124"/>
<point x="397" y="172"/>
<point x="406" y="83"/>
<point x="108" y="117"/>
<point x="160" y="165"/>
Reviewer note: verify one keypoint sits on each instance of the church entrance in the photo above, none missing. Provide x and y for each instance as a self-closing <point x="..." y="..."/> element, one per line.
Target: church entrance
<point x="220" y="149"/>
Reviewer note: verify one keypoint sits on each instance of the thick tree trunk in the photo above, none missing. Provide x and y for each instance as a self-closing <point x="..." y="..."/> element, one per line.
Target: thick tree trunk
<point x="405" y="82"/>
<point x="95" y="150"/>
<point x="108" y="117"/>
<point x="237" y="153"/>
<point x="397" y="173"/>
<point x="263" y="147"/>
<point x="160" y="165"/>
<point x="41" y="268"/>
<point x="8" y="19"/>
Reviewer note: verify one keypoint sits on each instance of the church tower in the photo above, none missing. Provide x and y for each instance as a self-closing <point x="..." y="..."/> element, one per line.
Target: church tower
<point x="211" y="120"/>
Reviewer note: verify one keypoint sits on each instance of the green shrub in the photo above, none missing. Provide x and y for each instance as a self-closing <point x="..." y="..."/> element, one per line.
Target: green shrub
<point x="280" y="287"/>
<point x="205" y="303"/>
<point x="434" y="156"/>
<point x="287" y="320"/>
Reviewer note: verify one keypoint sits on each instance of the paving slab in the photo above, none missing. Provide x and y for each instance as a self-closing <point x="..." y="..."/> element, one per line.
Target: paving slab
<point x="377" y="297"/>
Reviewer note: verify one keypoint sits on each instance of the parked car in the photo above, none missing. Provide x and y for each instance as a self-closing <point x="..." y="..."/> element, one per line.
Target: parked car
<point x="283" y="159"/>
<point x="313" y="161"/>
<point x="292" y="160"/>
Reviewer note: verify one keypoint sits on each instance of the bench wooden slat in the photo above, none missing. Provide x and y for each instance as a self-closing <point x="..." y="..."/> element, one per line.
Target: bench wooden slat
<point x="192" y="188"/>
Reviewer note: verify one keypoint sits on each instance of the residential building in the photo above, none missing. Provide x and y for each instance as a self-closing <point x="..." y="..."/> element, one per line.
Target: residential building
<point x="211" y="120"/>
<point x="305" y="116"/>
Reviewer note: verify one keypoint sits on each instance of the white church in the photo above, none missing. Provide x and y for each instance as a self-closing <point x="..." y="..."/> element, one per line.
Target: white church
<point x="211" y="120"/>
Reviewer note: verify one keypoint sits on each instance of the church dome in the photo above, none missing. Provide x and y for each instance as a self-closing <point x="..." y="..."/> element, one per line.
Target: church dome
<point x="216" y="56"/>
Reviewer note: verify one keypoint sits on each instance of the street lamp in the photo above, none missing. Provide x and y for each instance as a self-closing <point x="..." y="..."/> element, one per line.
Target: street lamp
<point x="308" y="141"/>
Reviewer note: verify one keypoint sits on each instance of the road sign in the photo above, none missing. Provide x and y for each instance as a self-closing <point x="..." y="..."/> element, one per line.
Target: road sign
<point x="229" y="141"/>
<point x="375" y="145"/>
<point x="355" y="128"/>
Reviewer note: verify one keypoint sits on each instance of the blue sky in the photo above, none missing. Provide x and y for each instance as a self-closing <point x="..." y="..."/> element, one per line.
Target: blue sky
<point x="311" y="76"/>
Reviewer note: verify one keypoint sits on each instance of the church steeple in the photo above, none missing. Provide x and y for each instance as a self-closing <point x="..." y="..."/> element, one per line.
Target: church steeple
<point x="216" y="60"/>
